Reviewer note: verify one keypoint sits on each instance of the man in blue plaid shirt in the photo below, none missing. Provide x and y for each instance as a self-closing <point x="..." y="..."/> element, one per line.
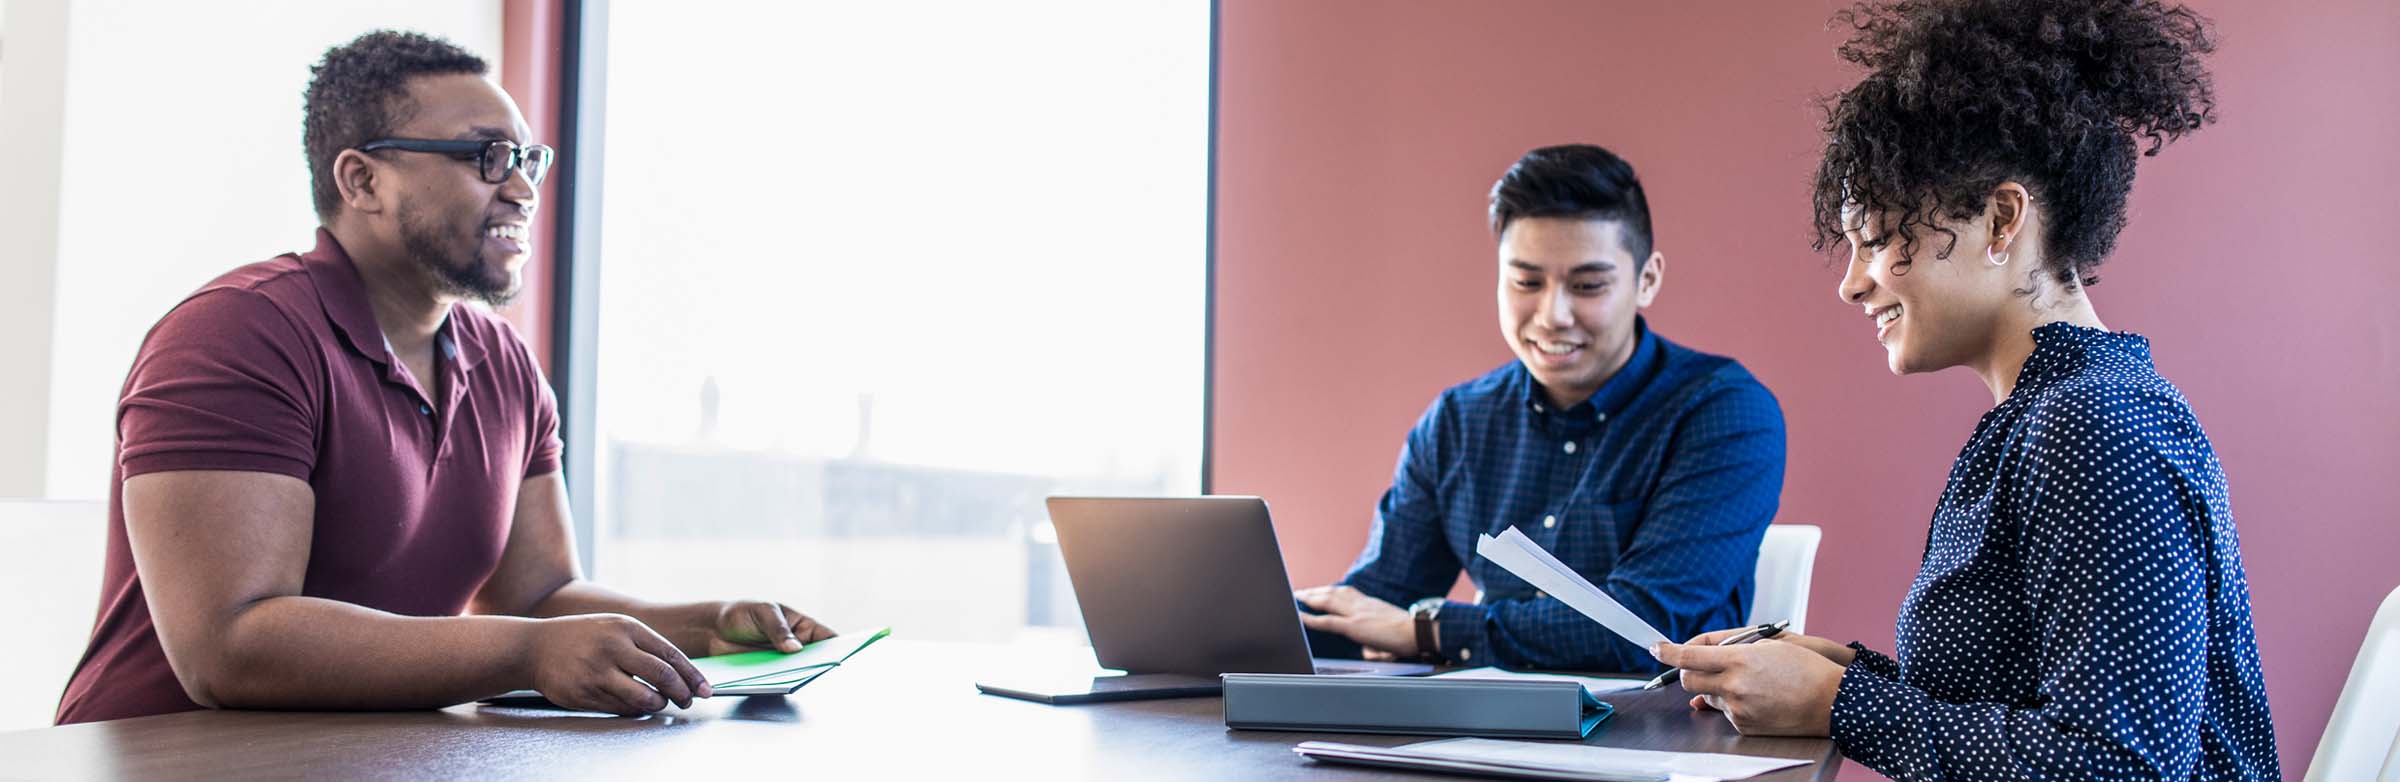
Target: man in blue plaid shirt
<point x="1650" y="468"/>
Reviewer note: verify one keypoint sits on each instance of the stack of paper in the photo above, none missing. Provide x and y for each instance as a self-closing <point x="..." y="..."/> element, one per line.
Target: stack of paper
<point x="1537" y="760"/>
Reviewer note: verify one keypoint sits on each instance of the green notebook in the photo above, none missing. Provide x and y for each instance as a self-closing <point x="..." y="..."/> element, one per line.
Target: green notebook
<point x="752" y="673"/>
<point x="739" y="674"/>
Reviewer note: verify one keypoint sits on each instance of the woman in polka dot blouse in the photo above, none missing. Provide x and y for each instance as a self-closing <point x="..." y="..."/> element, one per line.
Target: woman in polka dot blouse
<point x="2081" y="610"/>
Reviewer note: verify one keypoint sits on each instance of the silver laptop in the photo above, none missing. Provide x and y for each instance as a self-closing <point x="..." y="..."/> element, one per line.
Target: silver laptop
<point x="1175" y="591"/>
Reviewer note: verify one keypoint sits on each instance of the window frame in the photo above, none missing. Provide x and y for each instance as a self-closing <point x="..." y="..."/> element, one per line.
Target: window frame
<point x="575" y="283"/>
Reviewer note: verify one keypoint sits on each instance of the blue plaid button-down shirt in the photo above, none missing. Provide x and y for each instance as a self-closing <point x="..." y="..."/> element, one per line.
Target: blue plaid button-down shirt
<point x="1657" y="490"/>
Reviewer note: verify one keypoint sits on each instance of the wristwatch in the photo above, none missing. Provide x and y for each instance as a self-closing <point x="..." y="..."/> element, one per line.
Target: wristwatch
<point x="1425" y="611"/>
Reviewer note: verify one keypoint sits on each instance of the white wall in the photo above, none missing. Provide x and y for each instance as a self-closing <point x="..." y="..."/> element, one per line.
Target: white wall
<point x="53" y="599"/>
<point x="178" y="155"/>
<point x="146" y="146"/>
<point x="32" y="96"/>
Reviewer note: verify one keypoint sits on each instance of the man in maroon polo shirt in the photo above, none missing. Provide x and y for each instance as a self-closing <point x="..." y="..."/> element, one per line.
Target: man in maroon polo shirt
<point x="336" y="488"/>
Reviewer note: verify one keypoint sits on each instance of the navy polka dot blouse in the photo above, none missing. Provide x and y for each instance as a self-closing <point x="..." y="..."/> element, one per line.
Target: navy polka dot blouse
<point x="2081" y="611"/>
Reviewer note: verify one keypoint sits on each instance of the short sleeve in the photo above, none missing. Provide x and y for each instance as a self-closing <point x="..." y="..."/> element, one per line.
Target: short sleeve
<point x="545" y="448"/>
<point x="543" y="457"/>
<point x="226" y="381"/>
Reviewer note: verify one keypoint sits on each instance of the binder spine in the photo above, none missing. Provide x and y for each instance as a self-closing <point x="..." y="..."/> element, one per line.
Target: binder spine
<point x="1373" y="704"/>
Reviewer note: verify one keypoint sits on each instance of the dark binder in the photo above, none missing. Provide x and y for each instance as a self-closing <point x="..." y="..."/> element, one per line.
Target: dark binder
<point x="1433" y="707"/>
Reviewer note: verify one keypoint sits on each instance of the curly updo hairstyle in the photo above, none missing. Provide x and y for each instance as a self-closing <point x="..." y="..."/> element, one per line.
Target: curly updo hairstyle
<point x="1963" y="95"/>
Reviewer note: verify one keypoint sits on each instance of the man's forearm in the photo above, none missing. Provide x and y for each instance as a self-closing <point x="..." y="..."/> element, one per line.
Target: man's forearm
<point x="688" y="625"/>
<point x="311" y="653"/>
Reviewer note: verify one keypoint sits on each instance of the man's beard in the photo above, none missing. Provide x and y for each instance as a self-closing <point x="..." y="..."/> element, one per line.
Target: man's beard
<point x="455" y="276"/>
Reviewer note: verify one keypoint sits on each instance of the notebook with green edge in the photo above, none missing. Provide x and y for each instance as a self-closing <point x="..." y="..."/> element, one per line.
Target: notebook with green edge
<point x="771" y="670"/>
<point x="753" y="673"/>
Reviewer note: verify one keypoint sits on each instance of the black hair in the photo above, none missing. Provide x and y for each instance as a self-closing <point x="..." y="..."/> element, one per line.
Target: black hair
<point x="1961" y="96"/>
<point x="359" y="92"/>
<point x="1579" y="181"/>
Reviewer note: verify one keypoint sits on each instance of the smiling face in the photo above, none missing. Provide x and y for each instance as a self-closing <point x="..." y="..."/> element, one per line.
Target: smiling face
<point x="1569" y="290"/>
<point x="471" y="237"/>
<point x="1929" y="312"/>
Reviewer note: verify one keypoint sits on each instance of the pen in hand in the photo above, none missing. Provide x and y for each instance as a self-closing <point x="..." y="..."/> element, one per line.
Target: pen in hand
<point x="1759" y="633"/>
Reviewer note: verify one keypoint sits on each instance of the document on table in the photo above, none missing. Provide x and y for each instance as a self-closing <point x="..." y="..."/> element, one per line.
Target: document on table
<point x="754" y="673"/>
<point x="1592" y="684"/>
<point x="1519" y="555"/>
<point x="1548" y="760"/>
<point x="775" y="669"/>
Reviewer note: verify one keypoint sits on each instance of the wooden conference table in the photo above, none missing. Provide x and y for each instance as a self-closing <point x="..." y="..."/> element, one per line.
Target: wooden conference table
<point x="900" y="710"/>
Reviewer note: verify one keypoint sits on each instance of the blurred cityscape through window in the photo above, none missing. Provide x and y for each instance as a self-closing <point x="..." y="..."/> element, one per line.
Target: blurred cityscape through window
<point x="876" y="278"/>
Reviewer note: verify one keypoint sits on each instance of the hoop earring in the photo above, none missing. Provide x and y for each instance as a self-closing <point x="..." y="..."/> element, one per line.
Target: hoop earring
<point x="1995" y="260"/>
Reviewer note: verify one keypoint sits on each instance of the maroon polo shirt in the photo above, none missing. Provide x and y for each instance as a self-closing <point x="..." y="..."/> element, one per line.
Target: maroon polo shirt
<point x="279" y="367"/>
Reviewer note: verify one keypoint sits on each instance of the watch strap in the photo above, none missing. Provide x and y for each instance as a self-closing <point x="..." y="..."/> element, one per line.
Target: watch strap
<point x="1423" y="613"/>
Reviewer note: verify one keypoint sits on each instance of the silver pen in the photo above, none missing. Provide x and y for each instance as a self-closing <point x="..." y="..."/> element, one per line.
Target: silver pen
<point x="1759" y="633"/>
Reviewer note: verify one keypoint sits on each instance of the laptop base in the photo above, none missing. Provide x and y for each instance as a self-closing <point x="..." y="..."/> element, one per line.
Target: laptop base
<point x="1066" y="690"/>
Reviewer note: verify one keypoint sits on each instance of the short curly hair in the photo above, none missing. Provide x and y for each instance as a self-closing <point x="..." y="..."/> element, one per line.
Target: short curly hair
<point x="1961" y="96"/>
<point x="360" y="91"/>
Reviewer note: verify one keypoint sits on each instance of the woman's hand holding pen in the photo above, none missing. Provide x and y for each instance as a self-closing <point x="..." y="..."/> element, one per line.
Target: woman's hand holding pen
<point x="1779" y="687"/>
<point x="1839" y="653"/>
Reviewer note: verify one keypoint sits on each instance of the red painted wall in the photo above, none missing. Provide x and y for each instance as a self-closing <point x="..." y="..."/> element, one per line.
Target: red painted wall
<point x="532" y="45"/>
<point x="1357" y="140"/>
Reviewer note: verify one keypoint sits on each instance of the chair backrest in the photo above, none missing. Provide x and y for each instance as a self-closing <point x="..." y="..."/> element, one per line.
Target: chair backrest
<point x="2363" y="740"/>
<point x="50" y="559"/>
<point x="1787" y="558"/>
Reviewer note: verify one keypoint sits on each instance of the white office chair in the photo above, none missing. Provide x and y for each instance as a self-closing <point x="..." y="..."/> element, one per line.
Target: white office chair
<point x="2363" y="740"/>
<point x="50" y="556"/>
<point x="1787" y="558"/>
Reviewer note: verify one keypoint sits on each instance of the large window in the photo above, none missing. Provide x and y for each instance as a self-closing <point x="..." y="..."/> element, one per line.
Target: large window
<point x="875" y="278"/>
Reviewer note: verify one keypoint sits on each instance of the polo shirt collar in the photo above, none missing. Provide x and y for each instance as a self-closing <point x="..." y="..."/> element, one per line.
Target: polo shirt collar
<point x="1614" y="395"/>
<point x="344" y="294"/>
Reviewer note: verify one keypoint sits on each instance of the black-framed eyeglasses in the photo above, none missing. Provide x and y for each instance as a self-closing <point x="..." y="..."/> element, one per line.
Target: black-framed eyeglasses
<point x="495" y="158"/>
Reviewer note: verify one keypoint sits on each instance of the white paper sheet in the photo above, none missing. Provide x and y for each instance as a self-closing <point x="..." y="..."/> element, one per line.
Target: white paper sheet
<point x="1554" y="755"/>
<point x="1566" y="761"/>
<point x="1518" y="554"/>
<point x="1595" y="684"/>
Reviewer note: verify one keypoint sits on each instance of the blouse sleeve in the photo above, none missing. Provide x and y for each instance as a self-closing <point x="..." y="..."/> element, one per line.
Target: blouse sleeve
<point x="1871" y="662"/>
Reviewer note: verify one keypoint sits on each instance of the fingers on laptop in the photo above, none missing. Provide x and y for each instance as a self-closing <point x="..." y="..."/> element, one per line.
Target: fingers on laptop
<point x="1329" y="599"/>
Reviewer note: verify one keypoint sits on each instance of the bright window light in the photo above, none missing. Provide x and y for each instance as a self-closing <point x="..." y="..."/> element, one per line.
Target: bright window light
<point x="878" y="277"/>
